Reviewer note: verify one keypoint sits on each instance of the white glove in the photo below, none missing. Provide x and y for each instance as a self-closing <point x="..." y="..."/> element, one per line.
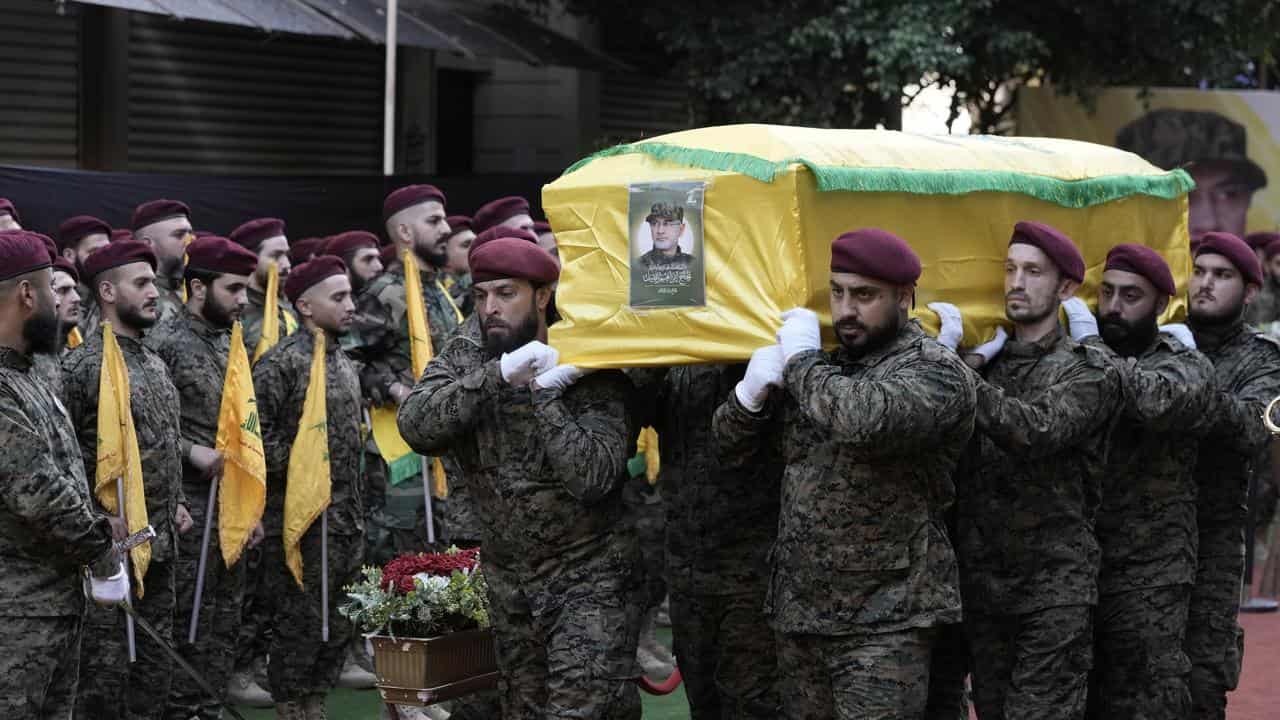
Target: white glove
<point x="952" y="330"/>
<point x="1080" y="320"/>
<point x="799" y="332"/>
<point x="528" y="361"/>
<point x="763" y="372"/>
<point x="989" y="350"/>
<point x="559" y="377"/>
<point x="111" y="590"/>
<point x="1182" y="332"/>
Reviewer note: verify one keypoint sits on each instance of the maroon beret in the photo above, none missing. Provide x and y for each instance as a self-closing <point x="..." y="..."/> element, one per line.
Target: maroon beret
<point x="876" y="253"/>
<point x="408" y="196"/>
<point x="510" y="257"/>
<point x="1234" y="250"/>
<point x="204" y="233"/>
<point x="125" y="252"/>
<point x="21" y="252"/>
<point x="494" y="213"/>
<point x="458" y="223"/>
<point x="6" y="206"/>
<point x="73" y="230"/>
<point x="350" y="241"/>
<point x="61" y="264"/>
<point x="541" y="227"/>
<point x="220" y="255"/>
<point x="388" y="254"/>
<point x="1261" y="240"/>
<point x="157" y="210"/>
<point x="121" y="234"/>
<point x="252" y="234"/>
<point x="501" y="231"/>
<point x="305" y="249"/>
<point x="1053" y="243"/>
<point x="311" y="273"/>
<point x="1144" y="261"/>
<point x="49" y="245"/>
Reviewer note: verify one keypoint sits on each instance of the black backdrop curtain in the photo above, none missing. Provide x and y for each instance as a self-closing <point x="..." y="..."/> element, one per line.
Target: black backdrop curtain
<point x="310" y="205"/>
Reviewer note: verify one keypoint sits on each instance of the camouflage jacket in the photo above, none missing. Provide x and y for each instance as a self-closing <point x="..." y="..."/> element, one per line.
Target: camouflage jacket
<point x="459" y="287"/>
<point x="196" y="355"/>
<point x="251" y="319"/>
<point x="388" y="291"/>
<point x="458" y="514"/>
<point x="280" y="380"/>
<point x="720" y="523"/>
<point x="1029" y="492"/>
<point x="155" y="405"/>
<point x="546" y="468"/>
<point x="169" y="306"/>
<point x="371" y="344"/>
<point x="1265" y="308"/>
<point x="49" y="369"/>
<point x="90" y="313"/>
<point x="1246" y="368"/>
<point x="1146" y="524"/>
<point x="49" y="527"/>
<point x="869" y="446"/>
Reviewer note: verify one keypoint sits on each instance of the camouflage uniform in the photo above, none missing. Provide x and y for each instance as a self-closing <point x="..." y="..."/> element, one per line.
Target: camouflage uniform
<point x="251" y="319"/>
<point x="112" y="687"/>
<point x="1264" y="311"/>
<point x="863" y="571"/>
<point x="169" y="306"/>
<point x="48" y="530"/>
<point x="196" y="355"/>
<point x="300" y="664"/>
<point x="1026" y="505"/>
<point x="720" y="525"/>
<point x="559" y="557"/>
<point x="1246" y="366"/>
<point x="1146" y="528"/>
<point x="90" y="313"/>
<point x="49" y="369"/>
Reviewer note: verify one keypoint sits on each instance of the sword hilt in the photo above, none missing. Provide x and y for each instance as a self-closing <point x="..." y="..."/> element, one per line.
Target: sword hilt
<point x="145" y="535"/>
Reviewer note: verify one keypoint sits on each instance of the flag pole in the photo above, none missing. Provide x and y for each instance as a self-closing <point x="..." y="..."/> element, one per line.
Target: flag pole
<point x="128" y="619"/>
<point x="324" y="575"/>
<point x="204" y="560"/>
<point x="426" y="492"/>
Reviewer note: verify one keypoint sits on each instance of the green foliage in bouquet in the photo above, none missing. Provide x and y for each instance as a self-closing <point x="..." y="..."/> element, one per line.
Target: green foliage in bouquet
<point x="421" y="595"/>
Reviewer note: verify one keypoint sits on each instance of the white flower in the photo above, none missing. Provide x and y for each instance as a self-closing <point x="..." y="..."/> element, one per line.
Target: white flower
<point x="432" y="583"/>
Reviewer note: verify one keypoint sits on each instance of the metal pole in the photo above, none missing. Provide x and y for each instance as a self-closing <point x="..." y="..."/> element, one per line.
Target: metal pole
<point x="128" y="620"/>
<point x="204" y="560"/>
<point x="324" y="576"/>
<point x="389" y="95"/>
<point x="428" y="514"/>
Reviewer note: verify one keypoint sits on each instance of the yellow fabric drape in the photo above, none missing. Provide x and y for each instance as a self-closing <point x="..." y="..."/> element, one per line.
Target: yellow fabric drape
<point x="119" y="460"/>
<point x="420" y="349"/>
<point x="308" y="483"/>
<point x="270" y="314"/>
<point x="290" y="323"/>
<point x="242" y="492"/>
<point x="74" y="338"/>
<point x="647" y="443"/>
<point x="182" y="285"/>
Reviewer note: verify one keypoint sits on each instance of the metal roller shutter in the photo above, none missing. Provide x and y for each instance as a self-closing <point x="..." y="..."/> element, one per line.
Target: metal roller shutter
<point x="39" y="81"/>
<point x="209" y="98"/>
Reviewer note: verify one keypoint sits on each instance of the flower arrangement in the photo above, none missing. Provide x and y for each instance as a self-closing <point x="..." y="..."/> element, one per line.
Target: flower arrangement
<point x="421" y="595"/>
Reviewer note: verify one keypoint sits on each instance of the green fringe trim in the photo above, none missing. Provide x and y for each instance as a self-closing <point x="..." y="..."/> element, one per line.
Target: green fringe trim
<point x="1065" y="193"/>
<point x="404" y="468"/>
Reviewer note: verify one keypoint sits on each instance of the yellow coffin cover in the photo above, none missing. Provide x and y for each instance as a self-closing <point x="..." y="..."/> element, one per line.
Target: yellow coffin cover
<point x="776" y="196"/>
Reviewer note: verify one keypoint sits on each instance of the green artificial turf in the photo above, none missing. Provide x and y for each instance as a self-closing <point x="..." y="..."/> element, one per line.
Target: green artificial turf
<point x="364" y="704"/>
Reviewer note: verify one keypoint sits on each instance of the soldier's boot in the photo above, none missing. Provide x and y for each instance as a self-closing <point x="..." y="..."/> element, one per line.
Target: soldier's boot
<point x="243" y="690"/>
<point x="355" y="677"/>
<point x="290" y="711"/>
<point x="313" y="708"/>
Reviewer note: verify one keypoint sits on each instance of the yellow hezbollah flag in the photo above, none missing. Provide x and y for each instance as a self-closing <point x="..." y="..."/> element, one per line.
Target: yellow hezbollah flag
<point x="242" y="493"/>
<point x="270" y="314"/>
<point x="182" y="285"/>
<point x="74" y="338"/>
<point x="118" y="458"/>
<point x="647" y="443"/>
<point x="420" y="349"/>
<point x="307" y="487"/>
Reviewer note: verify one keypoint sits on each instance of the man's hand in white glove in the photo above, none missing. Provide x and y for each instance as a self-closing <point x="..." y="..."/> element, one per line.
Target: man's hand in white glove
<point x="522" y="365"/>
<point x="559" y="378"/>
<point x="1080" y="320"/>
<point x="1182" y="332"/>
<point x="763" y="372"/>
<point x="799" y="332"/>
<point x="983" y="354"/>
<point x="110" y="590"/>
<point x="952" y="330"/>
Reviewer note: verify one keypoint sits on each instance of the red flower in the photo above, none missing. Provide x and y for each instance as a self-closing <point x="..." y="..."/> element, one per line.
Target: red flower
<point x="399" y="572"/>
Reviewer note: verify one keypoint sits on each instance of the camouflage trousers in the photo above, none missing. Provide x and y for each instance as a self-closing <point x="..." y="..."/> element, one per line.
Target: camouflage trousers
<point x="39" y="667"/>
<point x="872" y="676"/>
<point x="1139" y="667"/>
<point x="577" y="660"/>
<point x="214" y="650"/>
<point x="111" y="687"/>
<point x="1033" y="666"/>
<point x="726" y="655"/>
<point x="257" y="606"/>
<point x="1215" y="642"/>
<point x="948" y="668"/>
<point x="301" y="663"/>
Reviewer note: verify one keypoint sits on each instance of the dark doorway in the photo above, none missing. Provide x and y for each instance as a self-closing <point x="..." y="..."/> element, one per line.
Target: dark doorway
<point x="455" y="117"/>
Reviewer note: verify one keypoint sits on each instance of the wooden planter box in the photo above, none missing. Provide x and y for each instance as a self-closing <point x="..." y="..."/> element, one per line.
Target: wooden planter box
<point x="424" y="671"/>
